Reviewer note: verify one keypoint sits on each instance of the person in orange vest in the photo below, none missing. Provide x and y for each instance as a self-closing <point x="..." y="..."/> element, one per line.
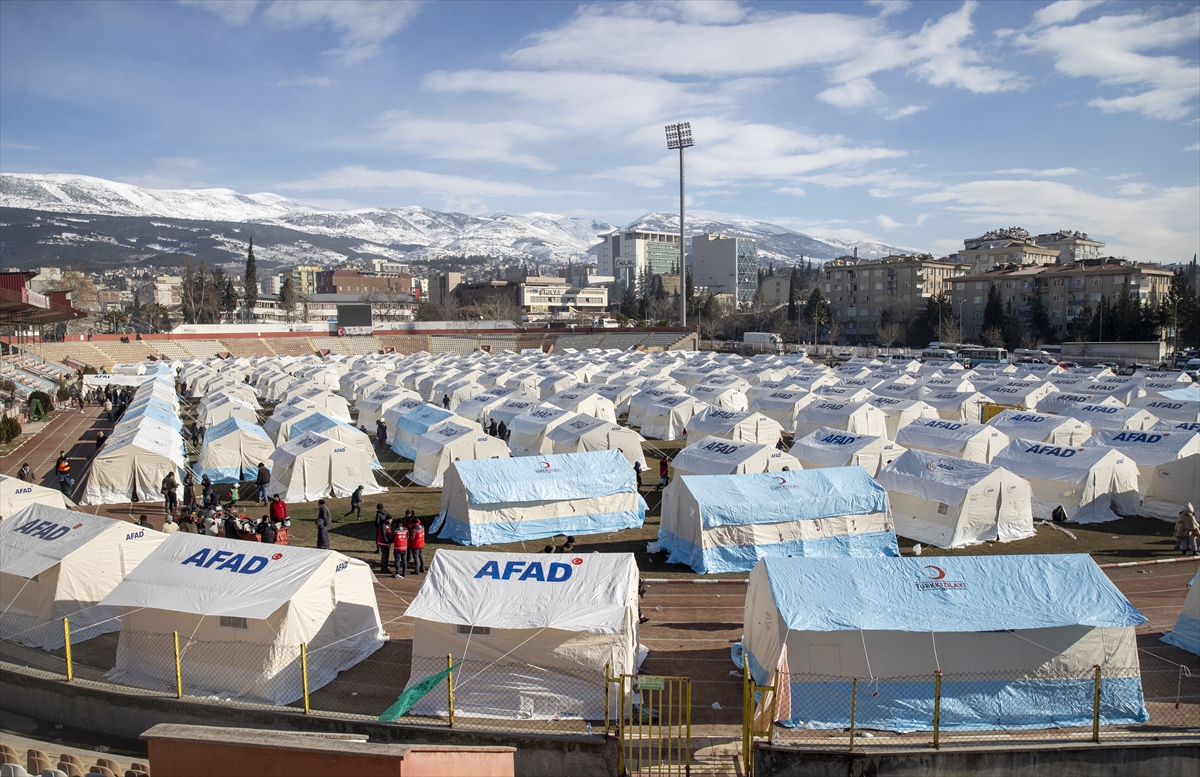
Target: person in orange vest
<point x="416" y="542"/>
<point x="399" y="546"/>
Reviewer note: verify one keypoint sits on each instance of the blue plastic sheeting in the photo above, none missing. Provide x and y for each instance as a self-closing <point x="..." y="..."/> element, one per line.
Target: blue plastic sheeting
<point x="946" y="593"/>
<point x="742" y="558"/>
<point x="782" y="497"/>
<point x="154" y="412"/>
<point x="229" y="474"/>
<point x="416" y="422"/>
<point x="234" y="424"/>
<point x="546" y="478"/>
<point x="969" y="705"/>
<point x="1186" y="634"/>
<point x="516" y="531"/>
<point x="319" y="423"/>
<point x="1187" y="393"/>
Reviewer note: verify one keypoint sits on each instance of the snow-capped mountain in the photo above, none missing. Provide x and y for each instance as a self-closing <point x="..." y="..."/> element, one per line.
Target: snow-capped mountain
<point x="72" y="218"/>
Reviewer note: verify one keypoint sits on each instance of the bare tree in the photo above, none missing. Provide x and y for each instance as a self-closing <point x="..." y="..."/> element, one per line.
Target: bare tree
<point x="891" y="333"/>
<point x="993" y="337"/>
<point x="833" y="329"/>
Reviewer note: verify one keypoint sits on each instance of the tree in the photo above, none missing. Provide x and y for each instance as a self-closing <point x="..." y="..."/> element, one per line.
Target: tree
<point x="1080" y="328"/>
<point x="250" y="294"/>
<point x="1039" y="320"/>
<point x="229" y="299"/>
<point x="816" y="312"/>
<point x="793" y="310"/>
<point x="993" y="311"/>
<point x="889" y="333"/>
<point x="115" y="319"/>
<point x="288" y="297"/>
<point x="936" y="323"/>
<point x="1182" y="310"/>
<point x="1011" y="328"/>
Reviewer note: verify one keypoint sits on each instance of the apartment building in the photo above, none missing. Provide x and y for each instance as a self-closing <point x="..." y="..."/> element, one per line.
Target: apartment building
<point x="1064" y="289"/>
<point x="1001" y="247"/>
<point x="304" y="278"/>
<point x="536" y="294"/>
<point x="627" y="255"/>
<point x="1071" y="246"/>
<point x="859" y="291"/>
<point x="726" y="265"/>
<point x="353" y="282"/>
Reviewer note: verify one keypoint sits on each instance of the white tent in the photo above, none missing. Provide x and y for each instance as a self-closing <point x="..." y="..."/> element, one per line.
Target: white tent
<point x="976" y="442"/>
<point x="242" y="611"/>
<point x="531" y="634"/>
<point x="392" y="415"/>
<point x="416" y="422"/>
<point x="1092" y="485"/>
<point x="582" y="433"/>
<point x="327" y="402"/>
<point x="782" y="405"/>
<point x="951" y="503"/>
<point x="947" y="384"/>
<point x="642" y="400"/>
<point x="232" y="451"/>
<point x="1064" y="401"/>
<point x="725" y="523"/>
<point x="1033" y="625"/>
<point x="1126" y="390"/>
<point x="1106" y="417"/>
<point x="617" y="393"/>
<point x="533" y="497"/>
<point x="667" y="418"/>
<point x="16" y="495"/>
<point x="965" y="406"/>
<point x="336" y="430"/>
<point x="1041" y="427"/>
<point x="372" y="407"/>
<point x="1024" y="394"/>
<point x="1186" y="634"/>
<point x="899" y="413"/>
<point x="723" y="397"/>
<point x="1168" y="464"/>
<point x="134" y="461"/>
<point x="310" y="467"/>
<point x="746" y="426"/>
<point x="56" y="564"/>
<point x="279" y="425"/>
<point x="852" y="417"/>
<point x="828" y="447"/>
<point x="527" y="432"/>
<point x="586" y="401"/>
<point x="478" y="408"/>
<point x="1167" y="409"/>
<point x="719" y="456"/>
<point x="844" y="393"/>
<point x="447" y="443"/>
<point x="229" y="407"/>
<point x="900" y="389"/>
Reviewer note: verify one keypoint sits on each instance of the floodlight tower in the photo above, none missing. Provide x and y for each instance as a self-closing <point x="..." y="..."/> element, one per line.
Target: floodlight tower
<point x="679" y="136"/>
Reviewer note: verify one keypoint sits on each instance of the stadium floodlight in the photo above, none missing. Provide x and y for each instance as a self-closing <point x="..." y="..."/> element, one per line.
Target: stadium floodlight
<point x="679" y="136"/>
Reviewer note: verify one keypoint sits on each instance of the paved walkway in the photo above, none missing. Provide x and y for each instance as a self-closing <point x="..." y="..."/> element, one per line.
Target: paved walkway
<point x="71" y="431"/>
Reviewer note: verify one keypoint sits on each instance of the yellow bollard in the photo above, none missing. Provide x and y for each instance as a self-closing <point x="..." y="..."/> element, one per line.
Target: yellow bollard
<point x="304" y="673"/>
<point x="1096" y="706"/>
<point x="178" y="670"/>
<point x="853" y="708"/>
<point x="607" y="699"/>
<point x="67" y="642"/>
<point x="937" y="705"/>
<point x="450" y="685"/>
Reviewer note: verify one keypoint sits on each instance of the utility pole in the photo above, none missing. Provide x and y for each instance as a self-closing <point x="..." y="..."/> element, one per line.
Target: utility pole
<point x="679" y="136"/>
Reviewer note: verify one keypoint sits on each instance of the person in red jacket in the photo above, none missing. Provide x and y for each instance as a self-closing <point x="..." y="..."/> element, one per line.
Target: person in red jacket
<point x="278" y="509"/>
<point x="416" y="542"/>
<point x="399" y="546"/>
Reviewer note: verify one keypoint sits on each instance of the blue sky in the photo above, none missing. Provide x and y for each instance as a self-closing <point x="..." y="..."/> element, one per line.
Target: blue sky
<point x="917" y="124"/>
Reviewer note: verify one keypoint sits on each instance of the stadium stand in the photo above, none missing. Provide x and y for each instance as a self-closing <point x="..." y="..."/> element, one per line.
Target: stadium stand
<point x="578" y="342"/>
<point x="463" y="344"/>
<point x="366" y="344"/>
<point x="290" y="346"/>
<point x="247" y="346"/>
<point x="203" y="349"/>
<point x="331" y="344"/>
<point x="121" y="353"/>
<point x="404" y="343"/>
<point x="171" y="349"/>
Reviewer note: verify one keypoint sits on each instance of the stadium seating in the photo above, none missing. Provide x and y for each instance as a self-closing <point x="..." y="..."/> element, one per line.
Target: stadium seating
<point x="247" y="347"/>
<point x="404" y="343"/>
<point x="290" y="346"/>
<point x="202" y="349"/>
<point x="366" y="344"/>
<point x="331" y="344"/>
<point x="170" y="349"/>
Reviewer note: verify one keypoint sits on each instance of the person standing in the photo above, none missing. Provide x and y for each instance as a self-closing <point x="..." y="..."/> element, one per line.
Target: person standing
<point x="235" y="493"/>
<point x="108" y="408"/>
<point x="356" y="502"/>
<point x="267" y="531"/>
<point x="383" y="536"/>
<point x="278" y="509"/>
<point x="323" y="521"/>
<point x="262" y="480"/>
<point x="170" y="489"/>
<point x="416" y="543"/>
<point x="400" y="547"/>
<point x="381" y="433"/>
<point x="446" y="401"/>
<point x="63" y="468"/>
<point x="169" y="526"/>
<point x="189" y="489"/>
<point x="1187" y="531"/>
<point x="637" y="472"/>
<point x="25" y="473"/>
<point x="491" y="427"/>
<point x="663" y="463"/>
<point x="206" y="491"/>
<point x="100" y="438"/>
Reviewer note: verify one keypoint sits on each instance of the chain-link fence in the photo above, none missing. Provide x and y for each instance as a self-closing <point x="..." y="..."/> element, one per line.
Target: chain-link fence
<point x="968" y="709"/>
<point x="333" y="679"/>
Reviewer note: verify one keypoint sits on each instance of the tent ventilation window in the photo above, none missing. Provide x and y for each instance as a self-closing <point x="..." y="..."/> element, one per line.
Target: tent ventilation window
<point x="475" y="631"/>
<point x="232" y="622"/>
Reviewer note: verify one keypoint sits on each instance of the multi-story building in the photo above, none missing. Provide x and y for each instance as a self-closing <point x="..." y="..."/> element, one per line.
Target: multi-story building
<point x="353" y="282"/>
<point x="1002" y="247"/>
<point x="1071" y="246"/>
<point x="304" y="278"/>
<point x="1065" y="289"/>
<point x="167" y="290"/>
<point x="536" y="294"/>
<point x="629" y="255"/>
<point x="388" y="267"/>
<point x="443" y="288"/>
<point x="860" y="291"/>
<point x="726" y="265"/>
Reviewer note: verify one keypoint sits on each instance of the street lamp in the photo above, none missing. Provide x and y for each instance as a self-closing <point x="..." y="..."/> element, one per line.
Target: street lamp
<point x="679" y="136"/>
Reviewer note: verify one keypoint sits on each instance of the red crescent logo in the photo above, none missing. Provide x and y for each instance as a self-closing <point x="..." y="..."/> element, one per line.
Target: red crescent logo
<point x="577" y="561"/>
<point x="277" y="556"/>
<point x="76" y="526"/>
<point x="937" y="574"/>
<point x="781" y="480"/>
<point x="545" y="464"/>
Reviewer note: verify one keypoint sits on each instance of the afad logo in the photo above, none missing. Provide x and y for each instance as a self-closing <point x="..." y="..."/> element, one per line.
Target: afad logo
<point x="544" y="468"/>
<point x="45" y="530"/>
<point x="1052" y="450"/>
<point x="940" y="465"/>
<point x="529" y="570"/>
<point x="229" y="561"/>
<point x="936" y="580"/>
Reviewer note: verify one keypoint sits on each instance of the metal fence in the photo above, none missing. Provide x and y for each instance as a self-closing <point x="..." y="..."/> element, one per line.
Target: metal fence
<point x="331" y="679"/>
<point x="947" y="709"/>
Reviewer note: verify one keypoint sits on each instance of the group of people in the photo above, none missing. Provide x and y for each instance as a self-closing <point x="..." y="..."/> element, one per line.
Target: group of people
<point x="498" y="430"/>
<point x="401" y="538"/>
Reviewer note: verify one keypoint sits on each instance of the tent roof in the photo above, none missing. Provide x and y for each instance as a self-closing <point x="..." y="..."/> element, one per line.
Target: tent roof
<point x="1148" y="449"/>
<point x="948" y="594"/>
<point x="1048" y="461"/>
<point x="420" y="418"/>
<point x="933" y="476"/>
<point x="546" y="478"/>
<point x="832" y="446"/>
<point x="174" y="576"/>
<point x="717" y="455"/>
<point x="781" y="497"/>
<point x="460" y="589"/>
<point x="26" y="555"/>
<point x="234" y="424"/>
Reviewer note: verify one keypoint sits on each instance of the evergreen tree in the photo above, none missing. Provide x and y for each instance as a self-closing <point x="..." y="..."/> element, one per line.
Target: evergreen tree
<point x="1183" y="309"/>
<point x="229" y="299"/>
<point x="1102" y="322"/>
<point x="816" y="312"/>
<point x="793" y="312"/>
<point x="288" y="296"/>
<point x="993" y="311"/>
<point x="1011" y="328"/>
<point x="1080" y="329"/>
<point x="251" y="291"/>
<point x="1039" y="320"/>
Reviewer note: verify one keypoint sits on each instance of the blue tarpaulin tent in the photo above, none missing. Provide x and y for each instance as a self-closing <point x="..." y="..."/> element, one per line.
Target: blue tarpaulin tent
<point x="1186" y="633"/>
<point x="325" y="426"/>
<point x="533" y="497"/>
<point x="726" y="523"/>
<point x="1015" y="638"/>
<point x="232" y="451"/>
<point x="413" y="424"/>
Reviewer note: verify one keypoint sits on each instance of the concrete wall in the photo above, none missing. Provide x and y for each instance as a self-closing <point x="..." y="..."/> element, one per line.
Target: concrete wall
<point x="126" y="713"/>
<point x="1115" y="759"/>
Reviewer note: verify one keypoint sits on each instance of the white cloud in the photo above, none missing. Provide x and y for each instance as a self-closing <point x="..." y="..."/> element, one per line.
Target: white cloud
<point x="1159" y="226"/>
<point x="231" y="11"/>
<point x="1053" y="172"/>
<point x="855" y="93"/>
<point x="795" y="191"/>
<point x="889" y="223"/>
<point x="890" y="7"/>
<point x="907" y="110"/>
<point x="444" y="139"/>
<point x="185" y="162"/>
<point x="1061" y="11"/>
<point x="1193" y="147"/>
<point x="1111" y="50"/>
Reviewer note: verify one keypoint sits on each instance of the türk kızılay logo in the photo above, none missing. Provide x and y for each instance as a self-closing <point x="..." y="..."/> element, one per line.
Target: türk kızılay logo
<point x="544" y="468"/>
<point x="936" y="580"/>
<point x="555" y="572"/>
<point x="782" y="483"/>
